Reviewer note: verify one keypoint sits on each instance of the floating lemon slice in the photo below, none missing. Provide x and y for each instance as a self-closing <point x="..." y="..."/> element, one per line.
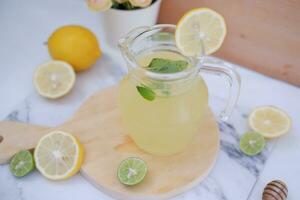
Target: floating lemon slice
<point x="58" y="155"/>
<point x="198" y="28"/>
<point x="54" y="79"/>
<point x="270" y="121"/>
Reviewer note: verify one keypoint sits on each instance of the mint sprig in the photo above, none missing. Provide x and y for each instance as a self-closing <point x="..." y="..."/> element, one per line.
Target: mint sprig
<point x="146" y="92"/>
<point x="162" y="65"/>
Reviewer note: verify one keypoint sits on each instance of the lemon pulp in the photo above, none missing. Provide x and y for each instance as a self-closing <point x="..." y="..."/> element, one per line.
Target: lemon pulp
<point x="54" y="79"/>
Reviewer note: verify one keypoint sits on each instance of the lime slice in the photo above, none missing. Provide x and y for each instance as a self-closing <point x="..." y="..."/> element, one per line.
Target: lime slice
<point x="252" y="143"/>
<point x="270" y="121"/>
<point x="132" y="171"/>
<point x="22" y="163"/>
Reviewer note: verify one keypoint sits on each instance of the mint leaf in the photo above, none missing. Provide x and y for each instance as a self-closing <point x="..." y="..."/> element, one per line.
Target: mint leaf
<point x="162" y="65"/>
<point x="146" y="92"/>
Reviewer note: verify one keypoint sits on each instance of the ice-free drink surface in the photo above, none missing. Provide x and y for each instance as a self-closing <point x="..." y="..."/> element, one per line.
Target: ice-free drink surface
<point x="166" y="125"/>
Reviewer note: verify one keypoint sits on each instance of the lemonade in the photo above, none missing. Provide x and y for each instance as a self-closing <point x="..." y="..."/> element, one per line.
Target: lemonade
<point x="163" y="99"/>
<point x="167" y="124"/>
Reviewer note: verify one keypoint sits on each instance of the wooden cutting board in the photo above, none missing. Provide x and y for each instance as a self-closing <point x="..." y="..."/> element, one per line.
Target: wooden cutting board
<point x="98" y="126"/>
<point x="261" y="35"/>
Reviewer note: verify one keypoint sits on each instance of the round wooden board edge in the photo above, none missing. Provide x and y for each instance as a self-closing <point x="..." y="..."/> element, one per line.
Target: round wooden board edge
<point x="167" y="195"/>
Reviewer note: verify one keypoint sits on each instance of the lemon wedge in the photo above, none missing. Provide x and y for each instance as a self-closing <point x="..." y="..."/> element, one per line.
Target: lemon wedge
<point x="200" y="29"/>
<point x="58" y="155"/>
<point x="54" y="79"/>
<point x="269" y="121"/>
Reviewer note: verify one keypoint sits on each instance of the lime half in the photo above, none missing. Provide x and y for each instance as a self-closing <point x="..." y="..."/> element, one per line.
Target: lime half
<point x="252" y="143"/>
<point x="132" y="171"/>
<point x="22" y="163"/>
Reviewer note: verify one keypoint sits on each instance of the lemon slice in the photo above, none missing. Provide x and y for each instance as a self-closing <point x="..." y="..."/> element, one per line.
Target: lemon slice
<point x="54" y="79"/>
<point x="270" y="121"/>
<point x="200" y="28"/>
<point x="58" y="155"/>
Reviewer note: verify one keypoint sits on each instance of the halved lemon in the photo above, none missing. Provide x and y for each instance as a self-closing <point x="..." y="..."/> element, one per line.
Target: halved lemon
<point x="200" y="29"/>
<point x="54" y="79"/>
<point x="58" y="155"/>
<point x="269" y="121"/>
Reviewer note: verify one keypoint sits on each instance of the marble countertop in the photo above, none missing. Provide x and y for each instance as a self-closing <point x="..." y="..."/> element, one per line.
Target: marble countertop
<point x="26" y="25"/>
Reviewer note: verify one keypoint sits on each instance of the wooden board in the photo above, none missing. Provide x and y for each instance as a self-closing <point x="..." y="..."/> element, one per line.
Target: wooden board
<point x="262" y="35"/>
<point x="98" y="126"/>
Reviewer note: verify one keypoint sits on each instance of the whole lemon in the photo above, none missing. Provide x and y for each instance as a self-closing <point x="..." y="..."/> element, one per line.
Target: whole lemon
<point x="76" y="45"/>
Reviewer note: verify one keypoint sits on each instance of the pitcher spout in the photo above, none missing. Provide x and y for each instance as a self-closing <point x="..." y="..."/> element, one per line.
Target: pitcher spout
<point x="122" y="44"/>
<point x="125" y="43"/>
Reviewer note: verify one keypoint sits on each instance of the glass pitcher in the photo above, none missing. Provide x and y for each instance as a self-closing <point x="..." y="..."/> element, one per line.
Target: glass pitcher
<point x="163" y="112"/>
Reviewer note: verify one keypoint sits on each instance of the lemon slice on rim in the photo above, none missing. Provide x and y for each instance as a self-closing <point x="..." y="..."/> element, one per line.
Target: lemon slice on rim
<point x="54" y="79"/>
<point x="270" y="121"/>
<point x="58" y="155"/>
<point x="200" y="28"/>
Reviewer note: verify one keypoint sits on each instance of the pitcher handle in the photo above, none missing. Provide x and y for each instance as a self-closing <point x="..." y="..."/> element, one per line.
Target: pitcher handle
<point x="217" y="67"/>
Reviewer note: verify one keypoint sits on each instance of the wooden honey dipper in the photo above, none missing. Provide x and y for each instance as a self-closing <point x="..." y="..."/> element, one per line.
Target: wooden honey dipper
<point x="275" y="190"/>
